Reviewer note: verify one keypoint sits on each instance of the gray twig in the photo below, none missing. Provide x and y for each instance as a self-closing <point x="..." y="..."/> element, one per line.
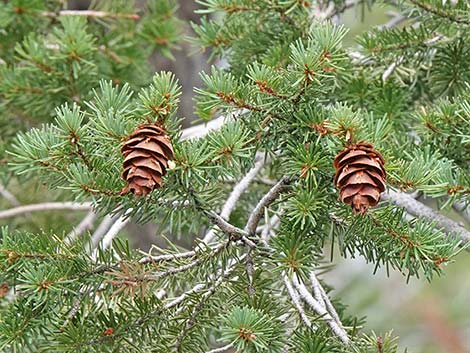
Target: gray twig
<point x="234" y="196"/>
<point x="103" y="227"/>
<point x="167" y="257"/>
<point x="183" y="268"/>
<point x="320" y="292"/>
<point x="85" y="224"/>
<point x="294" y="295"/>
<point x="267" y="200"/>
<point x="234" y="232"/>
<point x="113" y="231"/>
<point x="9" y="196"/>
<point x="90" y="13"/>
<point x="418" y="209"/>
<point x="221" y="349"/>
<point x="307" y="297"/>
<point x="464" y="210"/>
<point x="46" y="206"/>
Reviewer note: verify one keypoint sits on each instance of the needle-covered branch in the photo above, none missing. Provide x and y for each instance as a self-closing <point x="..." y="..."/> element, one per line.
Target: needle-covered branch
<point x="418" y="209"/>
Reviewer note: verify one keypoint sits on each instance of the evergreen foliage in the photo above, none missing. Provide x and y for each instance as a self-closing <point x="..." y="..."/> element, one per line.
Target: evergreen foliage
<point x="73" y="88"/>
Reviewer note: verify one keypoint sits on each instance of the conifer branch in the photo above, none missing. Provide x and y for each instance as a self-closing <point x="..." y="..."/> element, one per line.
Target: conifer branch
<point x="440" y="13"/>
<point x="305" y="295"/>
<point x="418" y="209"/>
<point x="169" y="257"/>
<point x="266" y="201"/>
<point x="46" y="206"/>
<point x="200" y="286"/>
<point x="322" y="297"/>
<point x="294" y="295"/>
<point x="183" y="268"/>
<point x="235" y="195"/>
<point x="89" y="13"/>
<point x="233" y="232"/>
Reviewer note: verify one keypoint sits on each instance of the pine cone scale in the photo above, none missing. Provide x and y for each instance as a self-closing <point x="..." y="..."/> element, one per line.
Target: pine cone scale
<point x="360" y="176"/>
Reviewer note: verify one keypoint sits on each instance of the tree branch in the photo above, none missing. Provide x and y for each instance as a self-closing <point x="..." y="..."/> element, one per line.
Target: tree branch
<point x="185" y="267"/>
<point x="267" y="200"/>
<point x="440" y="13"/>
<point x="235" y="195"/>
<point x="418" y="209"/>
<point x="89" y="13"/>
<point x="294" y="295"/>
<point x="463" y="209"/>
<point x="167" y="257"/>
<point x="221" y="349"/>
<point x="9" y="196"/>
<point x="334" y="326"/>
<point x="234" y="233"/>
<point x="320" y="292"/>
<point x="47" y="206"/>
<point x="117" y="226"/>
<point x="85" y="224"/>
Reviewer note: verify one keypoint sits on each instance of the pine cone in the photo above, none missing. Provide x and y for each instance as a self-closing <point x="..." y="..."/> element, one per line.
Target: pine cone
<point x="360" y="176"/>
<point x="146" y="154"/>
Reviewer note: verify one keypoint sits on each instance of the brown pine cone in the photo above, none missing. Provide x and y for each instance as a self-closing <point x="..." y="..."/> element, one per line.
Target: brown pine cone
<point x="360" y="176"/>
<point x="146" y="154"/>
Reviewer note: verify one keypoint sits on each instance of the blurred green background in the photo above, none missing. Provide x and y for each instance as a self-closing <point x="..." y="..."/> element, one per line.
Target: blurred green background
<point x="428" y="317"/>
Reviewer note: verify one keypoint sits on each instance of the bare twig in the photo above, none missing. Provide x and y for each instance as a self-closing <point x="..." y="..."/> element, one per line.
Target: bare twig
<point x="47" y="206"/>
<point x="418" y="209"/>
<point x="9" y="196"/>
<point x="294" y="295"/>
<point x="221" y="349"/>
<point x="85" y="224"/>
<point x="320" y="292"/>
<point x="196" y="289"/>
<point x="89" y="13"/>
<point x="267" y="200"/>
<point x="464" y="210"/>
<point x="392" y="68"/>
<point x="307" y="297"/>
<point x="234" y="196"/>
<point x="317" y="289"/>
<point x="396" y="19"/>
<point x="202" y="130"/>
<point x="72" y="313"/>
<point x="332" y="11"/>
<point x="167" y="257"/>
<point x="235" y="233"/>
<point x="185" y="267"/>
<point x="113" y="231"/>
<point x="267" y="229"/>
<point x="103" y="227"/>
